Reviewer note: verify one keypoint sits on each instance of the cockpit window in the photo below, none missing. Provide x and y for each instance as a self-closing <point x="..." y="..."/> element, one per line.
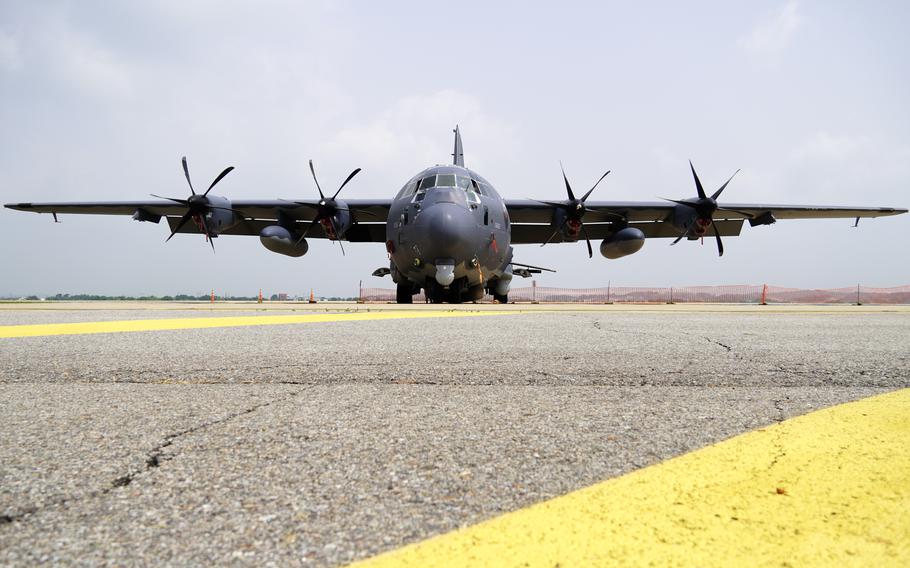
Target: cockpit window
<point x="428" y="182"/>
<point x="445" y="180"/>
<point x="408" y="189"/>
<point x="465" y="183"/>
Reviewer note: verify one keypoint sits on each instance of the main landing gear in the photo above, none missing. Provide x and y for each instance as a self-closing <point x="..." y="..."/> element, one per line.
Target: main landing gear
<point x="404" y="294"/>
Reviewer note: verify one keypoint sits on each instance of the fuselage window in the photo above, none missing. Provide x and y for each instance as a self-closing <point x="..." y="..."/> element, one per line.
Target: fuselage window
<point x="428" y="182"/>
<point x="445" y="180"/>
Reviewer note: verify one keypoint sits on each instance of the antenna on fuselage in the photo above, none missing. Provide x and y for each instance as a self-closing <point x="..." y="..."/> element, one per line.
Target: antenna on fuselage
<point x="458" y="154"/>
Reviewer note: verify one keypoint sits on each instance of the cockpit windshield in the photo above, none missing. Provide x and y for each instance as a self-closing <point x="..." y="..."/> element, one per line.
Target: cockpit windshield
<point x="474" y="188"/>
<point x="445" y="180"/>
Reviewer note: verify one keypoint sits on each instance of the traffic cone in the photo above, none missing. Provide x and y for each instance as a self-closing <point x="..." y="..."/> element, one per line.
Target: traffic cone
<point x="312" y="297"/>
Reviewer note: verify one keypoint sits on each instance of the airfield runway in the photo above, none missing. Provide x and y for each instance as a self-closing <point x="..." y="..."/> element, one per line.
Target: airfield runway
<point x="294" y="434"/>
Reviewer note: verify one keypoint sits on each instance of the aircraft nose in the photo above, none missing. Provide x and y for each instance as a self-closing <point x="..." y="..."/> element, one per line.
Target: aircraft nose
<point x="449" y="230"/>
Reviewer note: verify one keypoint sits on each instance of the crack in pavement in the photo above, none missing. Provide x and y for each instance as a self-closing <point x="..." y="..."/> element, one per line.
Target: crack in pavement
<point x="153" y="460"/>
<point x="715" y="342"/>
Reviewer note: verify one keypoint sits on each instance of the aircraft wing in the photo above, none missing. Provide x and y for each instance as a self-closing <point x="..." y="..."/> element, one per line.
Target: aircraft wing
<point x="531" y="219"/>
<point x="369" y="214"/>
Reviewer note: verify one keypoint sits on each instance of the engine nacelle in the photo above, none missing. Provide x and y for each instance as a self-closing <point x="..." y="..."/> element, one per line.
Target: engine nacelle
<point x="278" y="239"/>
<point x="341" y="221"/>
<point x="625" y="242"/>
<point x="220" y="217"/>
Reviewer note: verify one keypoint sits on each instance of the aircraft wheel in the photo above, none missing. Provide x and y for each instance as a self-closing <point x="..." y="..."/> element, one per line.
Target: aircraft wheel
<point x="501" y="298"/>
<point x="403" y="294"/>
<point x="475" y="293"/>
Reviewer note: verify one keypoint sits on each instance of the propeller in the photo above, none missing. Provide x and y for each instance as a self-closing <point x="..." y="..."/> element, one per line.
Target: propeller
<point x="575" y="210"/>
<point x="705" y="207"/>
<point x="327" y="208"/>
<point x="197" y="205"/>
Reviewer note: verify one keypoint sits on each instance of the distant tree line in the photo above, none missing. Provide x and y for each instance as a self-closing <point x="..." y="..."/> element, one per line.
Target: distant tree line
<point x="175" y="298"/>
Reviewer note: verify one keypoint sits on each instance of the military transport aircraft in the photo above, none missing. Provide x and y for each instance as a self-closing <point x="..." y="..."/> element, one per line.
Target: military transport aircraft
<point x="447" y="231"/>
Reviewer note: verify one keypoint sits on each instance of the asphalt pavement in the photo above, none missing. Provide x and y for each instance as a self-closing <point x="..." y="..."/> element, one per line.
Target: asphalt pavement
<point x="323" y="443"/>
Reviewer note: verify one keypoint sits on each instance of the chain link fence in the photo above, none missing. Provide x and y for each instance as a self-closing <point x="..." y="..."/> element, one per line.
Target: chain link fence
<point x="744" y="294"/>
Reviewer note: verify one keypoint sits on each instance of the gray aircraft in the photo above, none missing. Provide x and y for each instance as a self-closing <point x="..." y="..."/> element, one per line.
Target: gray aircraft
<point x="448" y="231"/>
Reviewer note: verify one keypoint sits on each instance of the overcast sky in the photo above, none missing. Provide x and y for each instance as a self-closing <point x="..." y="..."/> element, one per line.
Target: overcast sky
<point x="100" y="100"/>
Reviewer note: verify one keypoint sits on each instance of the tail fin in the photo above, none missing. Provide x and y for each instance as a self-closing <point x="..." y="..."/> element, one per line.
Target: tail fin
<point x="458" y="154"/>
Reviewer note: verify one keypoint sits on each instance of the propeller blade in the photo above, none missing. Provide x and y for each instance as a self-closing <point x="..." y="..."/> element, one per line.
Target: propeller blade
<point x="679" y="238"/>
<point x="237" y="211"/>
<point x="568" y="187"/>
<point x="585" y="196"/>
<point x="313" y="171"/>
<point x="698" y="187"/>
<point x="607" y="213"/>
<point x="307" y="230"/>
<point x="208" y="235"/>
<point x="553" y="234"/>
<point x="720" y="243"/>
<point x="174" y="199"/>
<point x="743" y="213"/>
<point x="679" y="202"/>
<point x="226" y="171"/>
<point x="551" y="203"/>
<point x="337" y="236"/>
<point x="180" y="225"/>
<point x="303" y="204"/>
<point x="354" y="173"/>
<point x="186" y="172"/>
<point x="558" y="229"/>
<point x="724" y="186"/>
<point x="587" y="240"/>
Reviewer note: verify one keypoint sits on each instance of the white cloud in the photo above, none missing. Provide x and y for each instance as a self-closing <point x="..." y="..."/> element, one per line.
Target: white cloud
<point x="416" y="131"/>
<point x="770" y="37"/>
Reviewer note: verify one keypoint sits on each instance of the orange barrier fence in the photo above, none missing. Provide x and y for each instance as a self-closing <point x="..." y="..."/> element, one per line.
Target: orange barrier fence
<point x="745" y="294"/>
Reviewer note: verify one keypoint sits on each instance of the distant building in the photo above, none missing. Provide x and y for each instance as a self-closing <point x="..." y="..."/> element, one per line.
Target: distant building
<point x="283" y="297"/>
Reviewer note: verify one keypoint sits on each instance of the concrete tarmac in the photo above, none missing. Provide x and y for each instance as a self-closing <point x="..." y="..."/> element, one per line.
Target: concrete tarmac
<point x="323" y="443"/>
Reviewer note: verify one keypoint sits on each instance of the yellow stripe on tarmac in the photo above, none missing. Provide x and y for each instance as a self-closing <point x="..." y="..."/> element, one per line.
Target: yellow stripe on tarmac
<point x="830" y="488"/>
<point x="121" y="326"/>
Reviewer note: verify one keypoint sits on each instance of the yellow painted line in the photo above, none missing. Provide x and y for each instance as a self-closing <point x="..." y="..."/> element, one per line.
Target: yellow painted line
<point x="122" y="326"/>
<point x="831" y="488"/>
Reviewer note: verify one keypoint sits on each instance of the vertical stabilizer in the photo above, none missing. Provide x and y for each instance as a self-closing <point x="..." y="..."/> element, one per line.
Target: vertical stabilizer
<point x="458" y="154"/>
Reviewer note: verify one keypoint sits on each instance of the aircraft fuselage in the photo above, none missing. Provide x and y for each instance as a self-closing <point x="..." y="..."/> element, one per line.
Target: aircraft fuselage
<point x="448" y="233"/>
